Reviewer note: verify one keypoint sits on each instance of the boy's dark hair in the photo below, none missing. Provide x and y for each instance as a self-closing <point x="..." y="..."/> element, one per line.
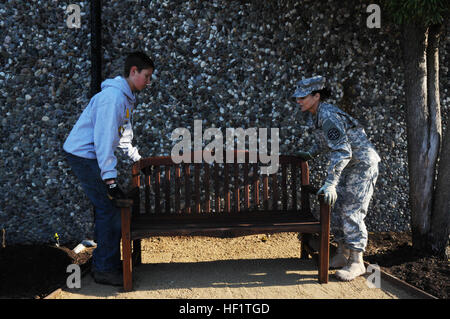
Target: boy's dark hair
<point x="325" y="93"/>
<point x="138" y="59"/>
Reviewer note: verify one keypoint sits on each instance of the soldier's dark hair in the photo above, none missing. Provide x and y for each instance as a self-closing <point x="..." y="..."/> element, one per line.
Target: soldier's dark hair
<point x="138" y="59"/>
<point x="325" y="93"/>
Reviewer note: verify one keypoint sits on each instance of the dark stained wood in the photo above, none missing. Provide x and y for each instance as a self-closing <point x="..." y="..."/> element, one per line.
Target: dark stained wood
<point x="147" y="183"/>
<point x="126" y="248"/>
<point x="177" y="189"/>
<point x="192" y="215"/>
<point x="305" y="173"/>
<point x="167" y="189"/>
<point x="136" y="253"/>
<point x="215" y="227"/>
<point x="259" y="215"/>
<point x="187" y="186"/>
<point x="236" y="199"/>
<point x="255" y="185"/>
<point x="157" y="189"/>
<point x="274" y="192"/>
<point x="135" y="176"/>
<point x="266" y="192"/>
<point x="197" y="186"/>
<point x="227" y="194"/>
<point x="284" y="186"/>
<point x="294" y="185"/>
<point x="246" y="188"/>
<point x="216" y="188"/>
<point x="324" y="253"/>
<point x="207" y="192"/>
<point x="306" y="207"/>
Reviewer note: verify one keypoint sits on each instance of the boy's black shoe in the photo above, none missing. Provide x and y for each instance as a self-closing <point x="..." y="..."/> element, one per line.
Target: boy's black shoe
<point x="107" y="278"/>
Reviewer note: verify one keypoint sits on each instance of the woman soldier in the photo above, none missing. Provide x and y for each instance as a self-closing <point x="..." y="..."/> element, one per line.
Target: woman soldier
<point x="351" y="174"/>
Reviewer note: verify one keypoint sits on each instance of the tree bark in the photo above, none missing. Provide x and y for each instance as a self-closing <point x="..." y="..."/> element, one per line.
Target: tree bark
<point x="440" y="217"/>
<point x="434" y="104"/>
<point x="423" y="144"/>
<point x="440" y="222"/>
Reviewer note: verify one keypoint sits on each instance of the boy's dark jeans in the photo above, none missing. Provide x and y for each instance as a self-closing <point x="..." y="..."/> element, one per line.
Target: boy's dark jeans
<point x="106" y="256"/>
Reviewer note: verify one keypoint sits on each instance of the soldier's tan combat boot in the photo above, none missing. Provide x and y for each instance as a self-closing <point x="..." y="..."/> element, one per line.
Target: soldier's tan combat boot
<point x="354" y="268"/>
<point x="340" y="259"/>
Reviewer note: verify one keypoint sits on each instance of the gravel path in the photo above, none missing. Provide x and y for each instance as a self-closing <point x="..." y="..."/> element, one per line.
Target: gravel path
<point x="249" y="267"/>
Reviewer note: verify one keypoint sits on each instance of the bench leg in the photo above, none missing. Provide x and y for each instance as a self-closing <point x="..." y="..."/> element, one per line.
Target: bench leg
<point x="126" y="249"/>
<point x="324" y="253"/>
<point x="137" y="255"/>
<point x="303" y="251"/>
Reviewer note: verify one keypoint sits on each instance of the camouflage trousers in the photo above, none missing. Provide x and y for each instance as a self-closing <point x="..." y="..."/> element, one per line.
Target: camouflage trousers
<point x="354" y="191"/>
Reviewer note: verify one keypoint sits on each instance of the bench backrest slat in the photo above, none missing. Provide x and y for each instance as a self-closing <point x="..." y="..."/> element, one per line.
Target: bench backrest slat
<point x="187" y="179"/>
<point x="167" y="189"/>
<point x="207" y="193"/>
<point x="147" y="183"/>
<point x="284" y="186"/>
<point x="217" y="188"/>
<point x="246" y="188"/>
<point x="256" y="185"/>
<point x="177" y="189"/>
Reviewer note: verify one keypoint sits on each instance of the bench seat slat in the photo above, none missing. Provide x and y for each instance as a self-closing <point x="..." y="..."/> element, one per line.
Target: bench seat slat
<point x="260" y="216"/>
<point x="238" y="229"/>
<point x="209" y="224"/>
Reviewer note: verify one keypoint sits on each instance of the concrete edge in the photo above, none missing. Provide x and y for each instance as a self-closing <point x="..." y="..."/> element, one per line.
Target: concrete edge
<point x="386" y="276"/>
<point x="403" y="284"/>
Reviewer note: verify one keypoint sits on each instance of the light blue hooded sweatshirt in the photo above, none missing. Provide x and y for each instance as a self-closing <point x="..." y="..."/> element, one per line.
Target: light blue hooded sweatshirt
<point x="104" y="125"/>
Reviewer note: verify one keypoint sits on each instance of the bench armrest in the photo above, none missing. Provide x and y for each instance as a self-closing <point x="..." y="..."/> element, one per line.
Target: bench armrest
<point x="310" y="189"/>
<point x="126" y="202"/>
<point x="313" y="190"/>
<point x="122" y="203"/>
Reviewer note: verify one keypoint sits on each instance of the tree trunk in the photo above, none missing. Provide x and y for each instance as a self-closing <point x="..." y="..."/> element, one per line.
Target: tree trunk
<point x="440" y="222"/>
<point x="440" y="216"/>
<point x="423" y="144"/>
<point x="433" y="97"/>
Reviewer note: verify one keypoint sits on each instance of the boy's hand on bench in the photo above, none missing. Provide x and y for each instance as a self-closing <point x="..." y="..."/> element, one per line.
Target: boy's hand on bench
<point x="113" y="190"/>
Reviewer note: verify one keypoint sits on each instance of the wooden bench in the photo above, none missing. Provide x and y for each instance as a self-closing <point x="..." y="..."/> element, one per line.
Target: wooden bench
<point x="232" y="199"/>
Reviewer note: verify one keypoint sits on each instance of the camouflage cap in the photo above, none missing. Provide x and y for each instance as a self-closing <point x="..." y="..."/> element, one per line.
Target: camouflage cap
<point x="306" y="86"/>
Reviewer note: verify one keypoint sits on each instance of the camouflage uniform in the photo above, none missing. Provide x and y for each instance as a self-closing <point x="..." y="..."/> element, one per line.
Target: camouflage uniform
<point x="353" y="166"/>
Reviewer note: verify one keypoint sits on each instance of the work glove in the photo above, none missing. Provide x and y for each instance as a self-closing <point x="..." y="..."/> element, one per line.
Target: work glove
<point x="329" y="190"/>
<point x="305" y="156"/>
<point x="137" y="159"/>
<point x="113" y="191"/>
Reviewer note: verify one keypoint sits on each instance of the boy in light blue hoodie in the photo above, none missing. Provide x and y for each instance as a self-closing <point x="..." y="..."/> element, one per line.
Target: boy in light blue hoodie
<point x="103" y="126"/>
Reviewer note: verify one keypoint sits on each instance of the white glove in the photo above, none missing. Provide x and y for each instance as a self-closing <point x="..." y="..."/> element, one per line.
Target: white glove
<point x="329" y="190"/>
<point x="137" y="158"/>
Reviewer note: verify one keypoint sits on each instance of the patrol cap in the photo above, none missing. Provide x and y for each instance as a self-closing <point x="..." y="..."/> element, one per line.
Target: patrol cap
<point x="306" y="86"/>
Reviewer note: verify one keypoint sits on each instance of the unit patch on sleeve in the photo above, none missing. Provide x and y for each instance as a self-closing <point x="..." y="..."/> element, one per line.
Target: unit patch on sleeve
<point x="333" y="133"/>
